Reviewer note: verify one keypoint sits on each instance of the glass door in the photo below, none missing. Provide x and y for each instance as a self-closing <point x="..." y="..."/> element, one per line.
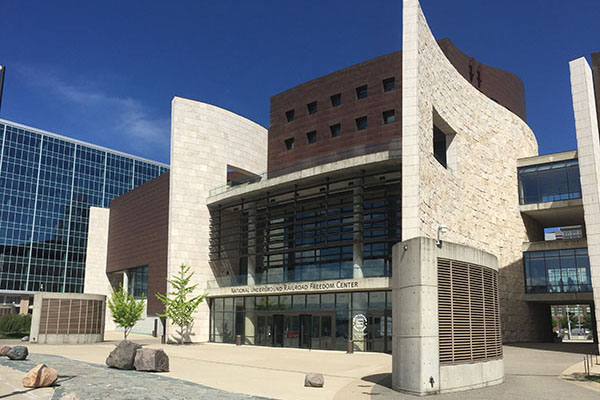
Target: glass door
<point x="305" y="330"/>
<point x="326" y="337"/>
<point x="264" y="331"/>
<point x="278" y="330"/>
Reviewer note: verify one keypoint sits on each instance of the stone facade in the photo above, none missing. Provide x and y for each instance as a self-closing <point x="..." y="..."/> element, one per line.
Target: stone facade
<point x="476" y="196"/>
<point x="204" y="140"/>
<point x="588" y="148"/>
<point x="96" y="281"/>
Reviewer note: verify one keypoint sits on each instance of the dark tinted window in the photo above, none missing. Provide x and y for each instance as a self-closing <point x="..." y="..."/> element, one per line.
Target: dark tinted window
<point x="389" y="116"/>
<point x="336" y="130"/>
<point x="389" y="84"/>
<point x="289" y="115"/>
<point x="336" y="100"/>
<point x="361" y="123"/>
<point x="439" y="146"/>
<point x="289" y="143"/>
<point x="361" y="92"/>
<point x="311" y="137"/>
<point x="312" y="107"/>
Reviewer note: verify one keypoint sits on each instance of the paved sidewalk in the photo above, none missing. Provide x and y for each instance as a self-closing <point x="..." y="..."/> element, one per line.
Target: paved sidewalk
<point x="532" y="371"/>
<point x="98" y="382"/>
<point x="11" y="387"/>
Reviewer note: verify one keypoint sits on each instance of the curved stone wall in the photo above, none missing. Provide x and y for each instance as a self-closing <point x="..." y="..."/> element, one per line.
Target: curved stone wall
<point x="476" y="195"/>
<point x="204" y="140"/>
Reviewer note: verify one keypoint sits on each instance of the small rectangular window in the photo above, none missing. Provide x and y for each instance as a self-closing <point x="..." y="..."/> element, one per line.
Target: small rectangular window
<point x="361" y="123"/>
<point x="289" y="115"/>
<point x="389" y="116"/>
<point x="336" y="130"/>
<point x="311" y="137"/>
<point x="312" y="107"/>
<point x="361" y="92"/>
<point x="439" y="146"/>
<point x="289" y="143"/>
<point x="389" y="84"/>
<point x="336" y="100"/>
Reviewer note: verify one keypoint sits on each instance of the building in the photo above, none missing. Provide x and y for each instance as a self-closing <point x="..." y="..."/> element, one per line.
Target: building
<point x="47" y="185"/>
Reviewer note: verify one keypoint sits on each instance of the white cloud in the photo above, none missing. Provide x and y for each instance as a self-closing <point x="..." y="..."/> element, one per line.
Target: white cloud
<point x="124" y="120"/>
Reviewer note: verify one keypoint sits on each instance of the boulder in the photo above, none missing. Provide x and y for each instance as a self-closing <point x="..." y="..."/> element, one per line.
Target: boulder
<point x="151" y="360"/>
<point x="123" y="356"/>
<point x="314" y="380"/>
<point x="4" y="350"/>
<point x="18" y="353"/>
<point x="40" y="376"/>
<point x="25" y="339"/>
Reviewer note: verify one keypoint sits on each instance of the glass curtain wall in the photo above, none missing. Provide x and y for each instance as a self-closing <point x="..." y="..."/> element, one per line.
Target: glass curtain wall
<point x="549" y="182"/>
<point x="47" y="185"/>
<point x="313" y="321"/>
<point x="557" y="271"/>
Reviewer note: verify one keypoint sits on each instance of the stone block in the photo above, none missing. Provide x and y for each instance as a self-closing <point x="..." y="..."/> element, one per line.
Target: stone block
<point x="151" y="360"/>
<point x="123" y="356"/>
<point x="18" y="353"/>
<point x="40" y="376"/>
<point x="314" y="380"/>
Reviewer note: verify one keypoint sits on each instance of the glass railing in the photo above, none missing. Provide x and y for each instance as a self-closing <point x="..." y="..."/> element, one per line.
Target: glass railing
<point x="394" y="147"/>
<point x="557" y="271"/>
<point x="549" y="182"/>
<point x="302" y="273"/>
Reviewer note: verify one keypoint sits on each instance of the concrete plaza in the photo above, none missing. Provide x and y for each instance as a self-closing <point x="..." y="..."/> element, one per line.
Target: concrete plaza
<point x="532" y="371"/>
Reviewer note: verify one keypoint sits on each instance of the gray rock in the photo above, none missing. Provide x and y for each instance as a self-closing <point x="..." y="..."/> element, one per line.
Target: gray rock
<point x="123" y="356"/>
<point x="314" y="380"/>
<point x="151" y="360"/>
<point x="25" y="339"/>
<point x="18" y="353"/>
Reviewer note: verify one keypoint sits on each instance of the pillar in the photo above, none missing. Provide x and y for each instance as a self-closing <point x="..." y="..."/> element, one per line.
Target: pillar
<point x="251" y="243"/>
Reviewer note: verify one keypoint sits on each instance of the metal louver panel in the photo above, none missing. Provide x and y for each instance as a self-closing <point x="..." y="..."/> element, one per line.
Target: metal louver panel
<point x="71" y="316"/>
<point x="469" y="312"/>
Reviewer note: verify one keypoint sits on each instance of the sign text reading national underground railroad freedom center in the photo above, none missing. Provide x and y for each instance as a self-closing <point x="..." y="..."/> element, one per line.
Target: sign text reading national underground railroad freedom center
<point x="297" y="287"/>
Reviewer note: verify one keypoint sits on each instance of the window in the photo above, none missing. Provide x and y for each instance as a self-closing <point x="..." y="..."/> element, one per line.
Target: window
<point x="289" y="115"/>
<point x="289" y="143"/>
<point x="389" y="84"/>
<point x="389" y="116"/>
<point x="312" y="107"/>
<point x="361" y="123"/>
<point x="137" y="282"/>
<point x="336" y="130"/>
<point x="311" y="137"/>
<point x="336" y="100"/>
<point x="439" y="146"/>
<point x="361" y="92"/>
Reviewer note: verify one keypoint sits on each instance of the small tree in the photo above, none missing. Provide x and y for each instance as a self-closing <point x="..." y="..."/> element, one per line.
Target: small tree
<point x="178" y="308"/>
<point x="125" y="309"/>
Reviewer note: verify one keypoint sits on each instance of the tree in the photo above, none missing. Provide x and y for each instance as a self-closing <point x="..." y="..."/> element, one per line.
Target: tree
<point x="125" y="309"/>
<point x="178" y="308"/>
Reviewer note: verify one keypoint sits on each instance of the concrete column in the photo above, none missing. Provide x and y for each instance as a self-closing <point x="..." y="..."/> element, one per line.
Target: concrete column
<point x="415" y="346"/>
<point x="24" y="304"/>
<point x="358" y="247"/>
<point x="251" y="243"/>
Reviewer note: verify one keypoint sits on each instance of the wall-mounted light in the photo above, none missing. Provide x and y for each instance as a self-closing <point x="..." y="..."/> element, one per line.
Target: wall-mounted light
<point x="440" y="230"/>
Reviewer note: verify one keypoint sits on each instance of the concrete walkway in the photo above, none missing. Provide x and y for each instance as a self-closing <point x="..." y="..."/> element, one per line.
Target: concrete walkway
<point x="532" y="372"/>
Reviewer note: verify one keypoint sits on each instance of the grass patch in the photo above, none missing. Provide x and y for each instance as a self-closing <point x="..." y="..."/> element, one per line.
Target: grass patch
<point x="593" y="378"/>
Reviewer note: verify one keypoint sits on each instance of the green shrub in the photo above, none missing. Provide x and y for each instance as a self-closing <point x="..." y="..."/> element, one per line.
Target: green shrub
<point x="13" y="324"/>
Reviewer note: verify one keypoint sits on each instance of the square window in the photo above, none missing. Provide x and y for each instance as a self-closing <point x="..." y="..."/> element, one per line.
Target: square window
<point x="336" y="130"/>
<point x="361" y="123"/>
<point x="389" y="84"/>
<point x="289" y="115"/>
<point x="289" y="143"/>
<point x="336" y="100"/>
<point x="389" y="116"/>
<point x="312" y="107"/>
<point x="311" y="137"/>
<point x="361" y="92"/>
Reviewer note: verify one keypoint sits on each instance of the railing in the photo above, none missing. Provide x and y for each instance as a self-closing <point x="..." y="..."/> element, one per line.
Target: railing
<point x="557" y="271"/>
<point x="285" y="275"/>
<point x="394" y="146"/>
<point x="549" y="182"/>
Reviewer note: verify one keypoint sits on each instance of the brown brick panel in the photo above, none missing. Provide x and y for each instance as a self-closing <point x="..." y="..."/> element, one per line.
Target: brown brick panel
<point x="138" y="234"/>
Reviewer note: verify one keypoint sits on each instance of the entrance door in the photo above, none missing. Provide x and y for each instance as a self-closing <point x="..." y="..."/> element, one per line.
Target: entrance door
<point x="305" y="330"/>
<point x="278" y="330"/>
<point x="326" y="339"/>
<point x="264" y="331"/>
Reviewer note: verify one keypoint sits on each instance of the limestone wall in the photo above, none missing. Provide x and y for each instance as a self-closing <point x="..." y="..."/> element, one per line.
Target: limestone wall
<point x="204" y="139"/>
<point x="476" y="197"/>
<point x="588" y="148"/>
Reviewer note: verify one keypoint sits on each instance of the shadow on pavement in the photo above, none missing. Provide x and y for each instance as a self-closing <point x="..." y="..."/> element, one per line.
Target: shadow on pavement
<point x="384" y="379"/>
<point x="17" y="392"/>
<point x="574" y="348"/>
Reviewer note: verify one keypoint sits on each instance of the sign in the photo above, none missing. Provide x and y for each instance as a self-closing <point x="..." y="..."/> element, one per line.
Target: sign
<point x="359" y="324"/>
<point x="297" y="287"/>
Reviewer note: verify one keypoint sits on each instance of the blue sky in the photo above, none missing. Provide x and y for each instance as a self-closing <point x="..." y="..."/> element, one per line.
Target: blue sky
<point x="106" y="71"/>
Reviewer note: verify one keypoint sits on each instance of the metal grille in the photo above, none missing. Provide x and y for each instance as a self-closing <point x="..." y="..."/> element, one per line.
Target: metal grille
<point x="71" y="316"/>
<point x="469" y="312"/>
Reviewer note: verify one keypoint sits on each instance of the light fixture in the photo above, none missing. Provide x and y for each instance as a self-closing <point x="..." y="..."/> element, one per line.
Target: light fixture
<point x="441" y="229"/>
